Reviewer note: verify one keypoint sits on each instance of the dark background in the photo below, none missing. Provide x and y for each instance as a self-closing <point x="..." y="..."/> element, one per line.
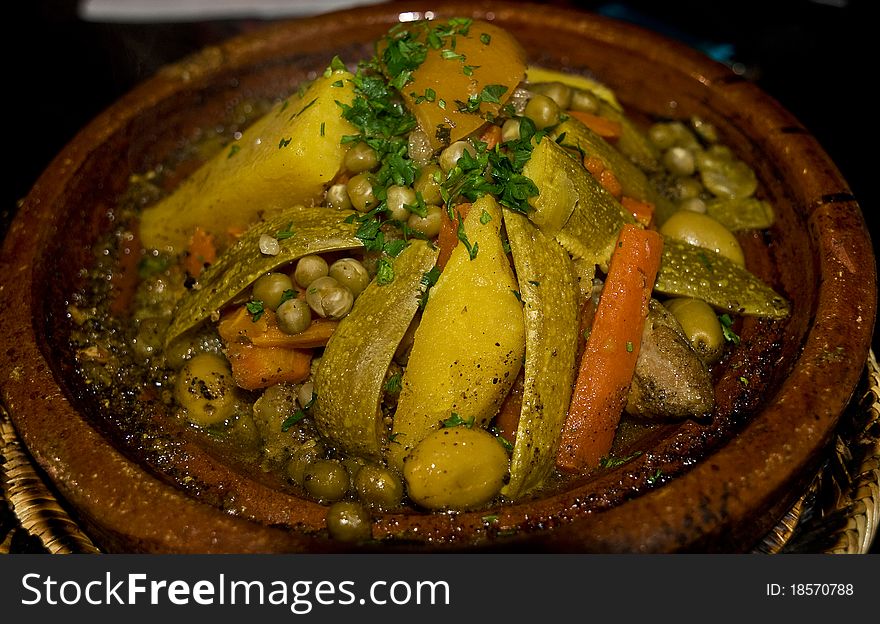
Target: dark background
<point x="815" y="57"/>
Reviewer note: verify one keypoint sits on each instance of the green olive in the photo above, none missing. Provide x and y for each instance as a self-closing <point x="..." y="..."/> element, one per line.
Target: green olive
<point x="348" y="521"/>
<point x="693" y="204"/>
<point x="397" y="200"/>
<point x="543" y="111"/>
<point x="302" y="457"/>
<point x="360" y="192"/>
<point x="559" y="92"/>
<point x="360" y="157"/>
<point x="328" y="298"/>
<point x="308" y="269"/>
<point x="270" y="289"/>
<point x="701" y="326"/>
<point x="205" y="389"/>
<point x="294" y="316"/>
<point x="703" y="231"/>
<point x="429" y="225"/>
<point x="337" y="197"/>
<point x="326" y="480"/>
<point x="449" y="157"/>
<point x="455" y="468"/>
<point x="350" y="273"/>
<point x="378" y="486"/>
<point x="584" y="101"/>
<point x="428" y="183"/>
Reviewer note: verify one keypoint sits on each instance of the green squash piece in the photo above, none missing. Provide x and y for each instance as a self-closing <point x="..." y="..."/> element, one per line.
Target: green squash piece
<point x="470" y="343"/>
<point x="550" y="307"/>
<point x="632" y="180"/>
<point x="572" y="206"/>
<point x="315" y="230"/>
<point x="741" y="214"/>
<point x="690" y="271"/>
<point x="633" y="143"/>
<point x="349" y="379"/>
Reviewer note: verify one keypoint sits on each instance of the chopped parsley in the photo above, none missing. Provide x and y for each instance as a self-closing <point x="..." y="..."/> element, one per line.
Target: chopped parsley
<point x="457" y="421"/>
<point x="727" y="329"/>
<point x="613" y="462"/>
<point x="233" y="150"/>
<point x="629" y="346"/>
<point x="428" y="280"/>
<point x="286" y="232"/>
<point x="256" y="309"/>
<point x="384" y="271"/>
<point x="485" y="38"/>
<point x="394" y="384"/>
<point x="472" y="249"/>
<point x="284" y="142"/>
<point x="287" y="295"/>
<point x="298" y="415"/>
<point x="485" y="217"/>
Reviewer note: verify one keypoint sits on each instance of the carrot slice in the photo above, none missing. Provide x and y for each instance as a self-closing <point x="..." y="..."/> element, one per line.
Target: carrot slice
<point x="608" y="129"/>
<point x="448" y="237"/>
<point x="609" y="359"/>
<point x="238" y="326"/>
<point x="260" y="367"/>
<point x="200" y="252"/>
<point x="491" y="136"/>
<point x="643" y="211"/>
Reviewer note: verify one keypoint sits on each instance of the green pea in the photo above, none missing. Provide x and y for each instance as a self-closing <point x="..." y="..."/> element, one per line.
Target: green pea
<point x="428" y="183"/>
<point x="270" y="289"/>
<point x="326" y="480"/>
<point x="308" y="269"/>
<point x="348" y="521"/>
<point x="584" y="101"/>
<point x="302" y="457"/>
<point x="378" y="486"/>
<point x="449" y="157"/>
<point x="543" y="111"/>
<point x="350" y="273"/>
<point x="429" y="225"/>
<point x="360" y="157"/>
<point x="397" y="200"/>
<point x="294" y="316"/>
<point x="337" y="197"/>
<point x="360" y="192"/>
<point x="559" y="92"/>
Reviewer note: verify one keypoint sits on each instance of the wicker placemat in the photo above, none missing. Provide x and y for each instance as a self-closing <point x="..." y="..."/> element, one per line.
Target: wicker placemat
<point x="838" y="513"/>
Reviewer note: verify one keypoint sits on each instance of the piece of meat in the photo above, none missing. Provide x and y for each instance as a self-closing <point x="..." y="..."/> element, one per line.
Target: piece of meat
<point x="670" y="380"/>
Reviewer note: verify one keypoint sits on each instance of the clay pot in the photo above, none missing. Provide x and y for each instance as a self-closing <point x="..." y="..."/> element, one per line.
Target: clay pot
<point x="699" y="486"/>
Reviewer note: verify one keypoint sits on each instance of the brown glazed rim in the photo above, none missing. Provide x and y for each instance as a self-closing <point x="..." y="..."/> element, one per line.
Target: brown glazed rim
<point x="723" y="503"/>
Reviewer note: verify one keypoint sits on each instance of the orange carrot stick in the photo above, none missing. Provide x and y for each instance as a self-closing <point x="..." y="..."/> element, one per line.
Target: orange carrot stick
<point x="260" y="367"/>
<point x="448" y="237"/>
<point x="609" y="360"/>
<point x="608" y="129"/>
<point x="200" y="252"/>
<point x="643" y="211"/>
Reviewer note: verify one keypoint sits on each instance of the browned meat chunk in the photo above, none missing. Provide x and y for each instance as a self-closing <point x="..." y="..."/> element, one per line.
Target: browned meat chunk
<point x="670" y="380"/>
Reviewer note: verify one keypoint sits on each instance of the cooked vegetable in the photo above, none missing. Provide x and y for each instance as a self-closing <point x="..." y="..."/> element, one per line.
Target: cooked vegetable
<point x="315" y="230"/>
<point x="469" y="345"/>
<point x="455" y="468"/>
<point x="327" y="480"/>
<point x="282" y="160"/>
<point x="205" y="390"/>
<point x="328" y="298"/>
<point x="270" y="289"/>
<point x="379" y="487"/>
<point x="550" y="297"/>
<point x="351" y="274"/>
<point x="294" y="316"/>
<point x="700" y="324"/>
<point x="349" y="380"/>
<point x="608" y="129"/>
<point x="608" y="363"/>
<point x="572" y="206"/>
<point x="348" y="521"/>
<point x="703" y="231"/>
<point x="238" y="325"/>
<point x="256" y="367"/>
<point x="455" y="77"/>
<point x="741" y="214"/>
<point x="689" y="271"/>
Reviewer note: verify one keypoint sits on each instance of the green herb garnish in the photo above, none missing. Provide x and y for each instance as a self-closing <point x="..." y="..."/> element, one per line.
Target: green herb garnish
<point x="256" y="309"/>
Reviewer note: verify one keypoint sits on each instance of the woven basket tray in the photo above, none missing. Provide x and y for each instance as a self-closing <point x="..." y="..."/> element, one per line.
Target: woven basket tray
<point x="838" y="513"/>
